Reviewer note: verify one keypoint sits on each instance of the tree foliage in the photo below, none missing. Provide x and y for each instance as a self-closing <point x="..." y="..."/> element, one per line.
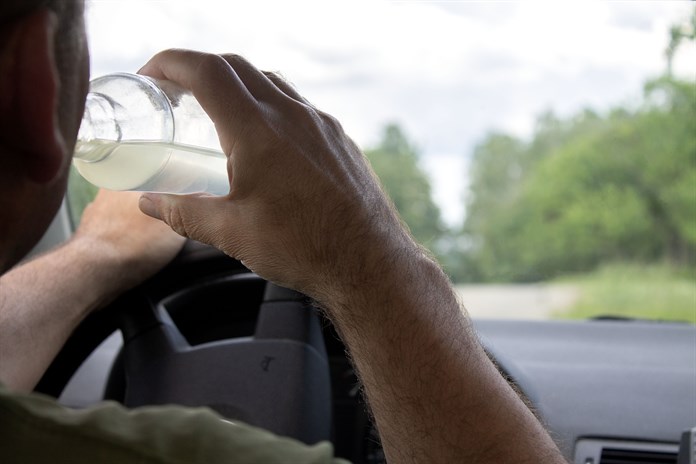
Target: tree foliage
<point x="395" y="161"/>
<point x="588" y="190"/>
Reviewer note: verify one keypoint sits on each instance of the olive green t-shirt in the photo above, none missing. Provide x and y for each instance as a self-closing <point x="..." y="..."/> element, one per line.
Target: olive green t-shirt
<point x="35" y="429"/>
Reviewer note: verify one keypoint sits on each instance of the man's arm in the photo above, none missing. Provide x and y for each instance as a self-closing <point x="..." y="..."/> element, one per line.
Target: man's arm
<point x="434" y="393"/>
<point x="306" y="211"/>
<point x="42" y="301"/>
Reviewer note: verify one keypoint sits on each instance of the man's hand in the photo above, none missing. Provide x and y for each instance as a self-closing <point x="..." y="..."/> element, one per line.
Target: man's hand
<point x="304" y="209"/>
<point x="115" y="248"/>
<point x="136" y="245"/>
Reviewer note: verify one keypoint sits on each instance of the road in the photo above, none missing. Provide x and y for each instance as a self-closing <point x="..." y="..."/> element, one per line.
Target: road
<point x="516" y="301"/>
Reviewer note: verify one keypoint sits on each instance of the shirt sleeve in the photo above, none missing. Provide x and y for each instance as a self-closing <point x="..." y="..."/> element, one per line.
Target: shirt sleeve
<point x="36" y="429"/>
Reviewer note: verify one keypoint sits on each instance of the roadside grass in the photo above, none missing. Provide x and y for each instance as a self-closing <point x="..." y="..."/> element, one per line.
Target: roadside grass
<point x="653" y="292"/>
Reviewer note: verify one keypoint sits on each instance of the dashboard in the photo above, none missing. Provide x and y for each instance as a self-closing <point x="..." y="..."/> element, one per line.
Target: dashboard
<point x="627" y="386"/>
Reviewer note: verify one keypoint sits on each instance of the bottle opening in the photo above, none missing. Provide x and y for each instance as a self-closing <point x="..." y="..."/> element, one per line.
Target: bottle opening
<point x="94" y="150"/>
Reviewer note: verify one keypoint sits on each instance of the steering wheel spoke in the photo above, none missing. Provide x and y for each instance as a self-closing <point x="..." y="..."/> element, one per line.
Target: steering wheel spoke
<point x="185" y="346"/>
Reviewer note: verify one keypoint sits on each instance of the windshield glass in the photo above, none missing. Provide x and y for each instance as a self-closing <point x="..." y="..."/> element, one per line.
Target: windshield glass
<point x="543" y="151"/>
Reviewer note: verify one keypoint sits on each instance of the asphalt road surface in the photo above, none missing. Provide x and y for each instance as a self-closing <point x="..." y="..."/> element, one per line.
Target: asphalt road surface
<point x="516" y="301"/>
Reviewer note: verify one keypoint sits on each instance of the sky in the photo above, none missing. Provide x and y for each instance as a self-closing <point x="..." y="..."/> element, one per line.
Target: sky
<point x="448" y="72"/>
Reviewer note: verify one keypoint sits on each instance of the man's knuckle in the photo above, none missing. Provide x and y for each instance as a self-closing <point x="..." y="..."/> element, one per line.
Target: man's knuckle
<point x="209" y="63"/>
<point x="177" y="222"/>
<point x="233" y="59"/>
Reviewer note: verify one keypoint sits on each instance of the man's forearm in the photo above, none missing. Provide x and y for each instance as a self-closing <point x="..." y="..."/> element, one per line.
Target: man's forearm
<point x="435" y="395"/>
<point x="115" y="248"/>
<point x="41" y="303"/>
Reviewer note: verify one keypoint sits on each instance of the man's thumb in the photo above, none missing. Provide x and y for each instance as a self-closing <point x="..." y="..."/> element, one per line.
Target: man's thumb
<point x="194" y="216"/>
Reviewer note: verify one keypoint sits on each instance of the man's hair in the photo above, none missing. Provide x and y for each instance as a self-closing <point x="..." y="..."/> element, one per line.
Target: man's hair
<point x="67" y="11"/>
<point x="11" y="10"/>
<point x="67" y="41"/>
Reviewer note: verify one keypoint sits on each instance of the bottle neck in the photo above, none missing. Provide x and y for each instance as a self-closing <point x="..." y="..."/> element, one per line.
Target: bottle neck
<point x="99" y="127"/>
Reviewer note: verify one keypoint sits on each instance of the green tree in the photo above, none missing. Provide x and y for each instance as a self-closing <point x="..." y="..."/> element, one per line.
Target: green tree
<point x="677" y="34"/>
<point x="590" y="190"/>
<point x="496" y="172"/>
<point x="395" y="160"/>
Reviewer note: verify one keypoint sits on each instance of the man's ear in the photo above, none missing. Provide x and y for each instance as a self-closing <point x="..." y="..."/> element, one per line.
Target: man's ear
<point x="30" y="83"/>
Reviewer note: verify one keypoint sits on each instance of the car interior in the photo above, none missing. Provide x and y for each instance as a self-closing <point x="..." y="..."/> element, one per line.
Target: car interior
<point x="206" y="331"/>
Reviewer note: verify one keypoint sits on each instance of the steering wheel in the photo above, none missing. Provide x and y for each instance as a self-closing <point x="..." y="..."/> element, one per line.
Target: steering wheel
<point x="205" y="331"/>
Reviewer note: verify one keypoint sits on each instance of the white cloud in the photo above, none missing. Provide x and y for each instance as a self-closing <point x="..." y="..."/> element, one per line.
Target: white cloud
<point x="447" y="71"/>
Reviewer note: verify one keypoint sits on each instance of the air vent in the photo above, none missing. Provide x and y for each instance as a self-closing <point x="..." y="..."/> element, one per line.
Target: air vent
<point x="598" y="451"/>
<point x="631" y="456"/>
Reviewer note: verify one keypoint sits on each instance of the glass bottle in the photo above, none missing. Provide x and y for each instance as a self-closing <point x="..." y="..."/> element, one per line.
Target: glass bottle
<point x="143" y="134"/>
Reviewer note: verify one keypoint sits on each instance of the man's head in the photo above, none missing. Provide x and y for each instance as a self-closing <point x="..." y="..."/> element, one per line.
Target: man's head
<point x="44" y="74"/>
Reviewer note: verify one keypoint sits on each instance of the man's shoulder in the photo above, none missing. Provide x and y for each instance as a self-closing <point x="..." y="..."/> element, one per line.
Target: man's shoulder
<point x="35" y="428"/>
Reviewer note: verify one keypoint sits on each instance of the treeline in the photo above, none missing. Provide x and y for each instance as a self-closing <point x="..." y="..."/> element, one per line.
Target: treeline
<point x="587" y="190"/>
<point x="581" y="192"/>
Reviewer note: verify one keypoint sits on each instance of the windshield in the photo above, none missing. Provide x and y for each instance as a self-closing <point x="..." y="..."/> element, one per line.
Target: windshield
<point x="543" y="151"/>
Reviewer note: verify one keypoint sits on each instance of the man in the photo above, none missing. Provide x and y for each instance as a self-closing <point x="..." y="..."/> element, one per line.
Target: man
<point x="304" y="211"/>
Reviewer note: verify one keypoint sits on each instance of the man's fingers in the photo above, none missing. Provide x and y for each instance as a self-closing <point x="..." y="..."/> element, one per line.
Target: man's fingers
<point x="264" y="85"/>
<point x="285" y="86"/>
<point x="188" y="68"/>
<point x="149" y="204"/>
<point x="214" y="83"/>
<point x="205" y="218"/>
<point x="259" y="83"/>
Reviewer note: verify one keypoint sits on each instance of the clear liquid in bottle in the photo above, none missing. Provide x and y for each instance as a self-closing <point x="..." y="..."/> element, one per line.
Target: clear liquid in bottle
<point x="144" y="134"/>
<point x="152" y="167"/>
